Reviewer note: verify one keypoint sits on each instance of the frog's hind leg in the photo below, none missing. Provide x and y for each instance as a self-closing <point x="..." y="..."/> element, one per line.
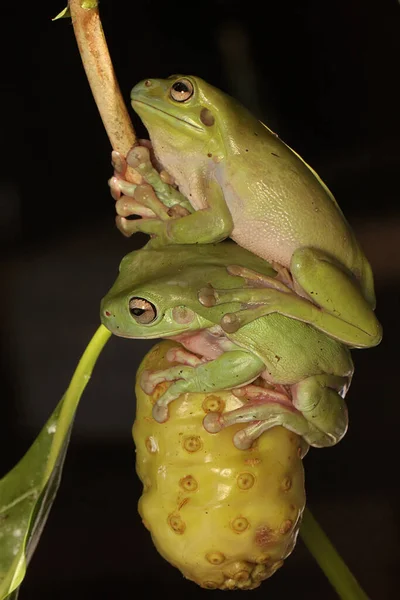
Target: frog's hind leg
<point x="335" y="289"/>
<point x="266" y="409"/>
<point x="320" y="399"/>
<point x="318" y="412"/>
<point x="323" y="293"/>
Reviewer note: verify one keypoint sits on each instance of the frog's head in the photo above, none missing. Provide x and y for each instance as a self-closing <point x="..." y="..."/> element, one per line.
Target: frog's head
<point x="150" y="301"/>
<point x="185" y="116"/>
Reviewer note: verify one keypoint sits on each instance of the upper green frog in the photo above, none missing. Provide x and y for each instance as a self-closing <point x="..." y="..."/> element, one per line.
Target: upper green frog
<point x="298" y="375"/>
<point x="246" y="183"/>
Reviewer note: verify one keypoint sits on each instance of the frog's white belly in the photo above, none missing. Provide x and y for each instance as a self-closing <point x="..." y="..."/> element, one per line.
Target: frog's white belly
<point x="255" y="230"/>
<point x="268" y="218"/>
<point x="273" y="222"/>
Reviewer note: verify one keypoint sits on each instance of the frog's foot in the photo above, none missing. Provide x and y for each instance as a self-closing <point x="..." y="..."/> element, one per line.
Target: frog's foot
<point x="155" y="227"/>
<point x="262" y="414"/>
<point x="260" y="401"/>
<point x="140" y="158"/>
<point x="245" y="438"/>
<point x="257" y="391"/>
<point x="123" y="192"/>
<point x="230" y="369"/>
<point x="183" y="357"/>
<point x="282" y="281"/>
<point x="127" y="207"/>
<point x="153" y="159"/>
<point x="120" y="166"/>
<point x="255" y="302"/>
<point x="148" y="193"/>
<point x="254" y="293"/>
<point x="150" y="379"/>
<point x="320" y="426"/>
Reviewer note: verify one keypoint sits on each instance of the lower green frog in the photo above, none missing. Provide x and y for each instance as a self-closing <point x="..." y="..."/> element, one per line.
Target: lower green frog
<point x="285" y="371"/>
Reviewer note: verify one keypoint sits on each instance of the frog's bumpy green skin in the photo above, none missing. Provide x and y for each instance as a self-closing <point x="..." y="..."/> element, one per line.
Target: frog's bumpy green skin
<point x="299" y="376"/>
<point x="225" y="518"/>
<point x="244" y="182"/>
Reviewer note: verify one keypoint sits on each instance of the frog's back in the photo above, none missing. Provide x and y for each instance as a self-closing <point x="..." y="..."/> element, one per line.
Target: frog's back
<point x="292" y="350"/>
<point x="278" y="203"/>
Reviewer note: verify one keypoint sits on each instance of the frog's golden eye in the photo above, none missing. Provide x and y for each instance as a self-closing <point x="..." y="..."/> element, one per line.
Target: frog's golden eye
<point x="181" y="90"/>
<point x="142" y="310"/>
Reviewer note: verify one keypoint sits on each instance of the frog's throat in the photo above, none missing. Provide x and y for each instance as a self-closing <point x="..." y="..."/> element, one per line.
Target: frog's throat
<point x="172" y="117"/>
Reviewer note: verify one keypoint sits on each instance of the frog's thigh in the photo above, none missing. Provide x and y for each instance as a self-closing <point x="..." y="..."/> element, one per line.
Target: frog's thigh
<point x="333" y="288"/>
<point x="320" y="402"/>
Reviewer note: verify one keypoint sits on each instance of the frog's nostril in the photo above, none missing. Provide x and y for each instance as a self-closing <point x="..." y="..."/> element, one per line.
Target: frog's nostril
<point x="107" y="313"/>
<point x="147" y="83"/>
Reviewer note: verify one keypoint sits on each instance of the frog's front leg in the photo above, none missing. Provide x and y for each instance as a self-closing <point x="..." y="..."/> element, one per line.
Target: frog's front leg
<point x="318" y="412"/>
<point x="154" y="191"/>
<point x="209" y="225"/>
<point x="335" y="304"/>
<point x="123" y="192"/>
<point x="139" y="158"/>
<point x="149" y="195"/>
<point x="231" y="369"/>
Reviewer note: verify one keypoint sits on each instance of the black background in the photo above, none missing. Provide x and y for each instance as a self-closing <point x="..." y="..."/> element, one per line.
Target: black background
<point x="325" y="77"/>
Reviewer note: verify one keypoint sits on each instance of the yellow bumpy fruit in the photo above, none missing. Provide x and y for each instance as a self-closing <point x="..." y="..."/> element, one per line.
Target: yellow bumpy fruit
<point x="226" y="518"/>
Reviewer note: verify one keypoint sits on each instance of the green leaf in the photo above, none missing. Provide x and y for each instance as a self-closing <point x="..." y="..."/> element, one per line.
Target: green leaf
<point x="27" y="492"/>
<point x="85" y="4"/>
<point x="64" y="14"/>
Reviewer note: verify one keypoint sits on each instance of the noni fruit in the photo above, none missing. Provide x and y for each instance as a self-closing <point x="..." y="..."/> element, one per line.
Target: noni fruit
<point x="226" y="518"/>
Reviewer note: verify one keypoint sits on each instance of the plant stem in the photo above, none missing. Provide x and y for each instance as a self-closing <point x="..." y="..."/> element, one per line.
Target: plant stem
<point x="79" y="381"/>
<point x="100" y="73"/>
<point x="329" y="560"/>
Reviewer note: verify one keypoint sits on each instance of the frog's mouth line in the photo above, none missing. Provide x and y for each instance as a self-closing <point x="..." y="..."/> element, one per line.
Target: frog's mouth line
<point x="133" y="100"/>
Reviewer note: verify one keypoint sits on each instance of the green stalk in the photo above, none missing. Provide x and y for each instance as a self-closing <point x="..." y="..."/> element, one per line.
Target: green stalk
<point x="331" y="563"/>
<point x="79" y="381"/>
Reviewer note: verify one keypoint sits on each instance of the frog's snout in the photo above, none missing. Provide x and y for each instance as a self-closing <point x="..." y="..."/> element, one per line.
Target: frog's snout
<point x="142" y="88"/>
<point x="107" y="316"/>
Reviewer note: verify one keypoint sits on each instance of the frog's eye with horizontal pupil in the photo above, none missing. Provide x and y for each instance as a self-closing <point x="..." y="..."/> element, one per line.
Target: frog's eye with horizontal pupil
<point x="142" y="310"/>
<point x="181" y="90"/>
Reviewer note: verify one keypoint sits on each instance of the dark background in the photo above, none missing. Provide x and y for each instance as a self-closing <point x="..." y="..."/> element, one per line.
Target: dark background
<point x="325" y="77"/>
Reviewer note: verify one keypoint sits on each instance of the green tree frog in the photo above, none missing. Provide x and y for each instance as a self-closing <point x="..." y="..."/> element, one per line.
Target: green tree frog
<point x="244" y="182"/>
<point x="287" y="372"/>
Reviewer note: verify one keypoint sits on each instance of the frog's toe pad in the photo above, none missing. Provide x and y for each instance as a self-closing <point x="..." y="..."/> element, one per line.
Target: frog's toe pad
<point x="230" y="323"/>
<point x="137" y="156"/>
<point x="212" y="422"/>
<point x="207" y="297"/>
<point x="118" y="162"/>
<point x="160" y="413"/>
<point x="241" y="440"/>
<point x="147" y="382"/>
